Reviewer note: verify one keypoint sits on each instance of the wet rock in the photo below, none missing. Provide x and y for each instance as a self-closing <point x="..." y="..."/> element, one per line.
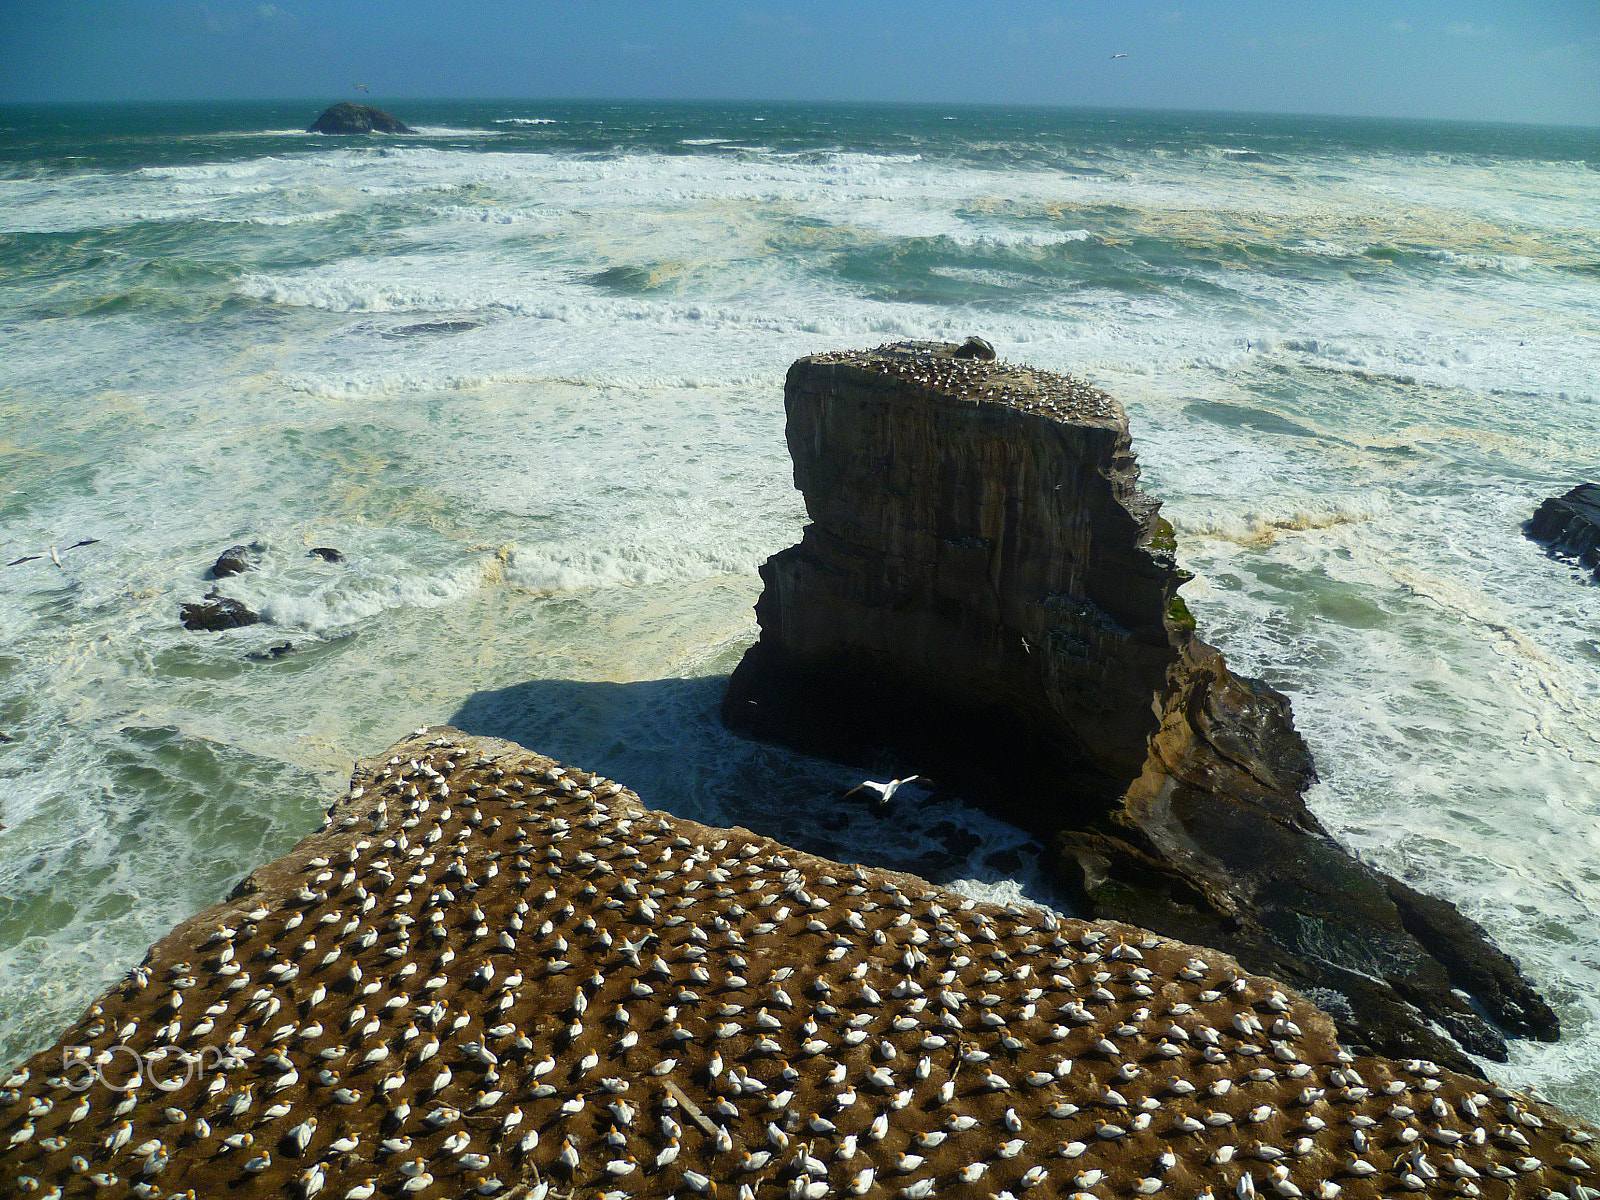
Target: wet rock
<point x="975" y="347"/>
<point x="1569" y="525"/>
<point x="236" y="560"/>
<point x="327" y="554"/>
<point x="345" y="117"/>
<point x="957" y="840"/>
<point x="216" y="612"/>
<point x="985" y="594"/>
<point x="1007" y="862"/>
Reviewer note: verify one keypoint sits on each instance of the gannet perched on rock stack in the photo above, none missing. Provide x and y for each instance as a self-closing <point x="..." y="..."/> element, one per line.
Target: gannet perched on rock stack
<point x="804" y="1028"/>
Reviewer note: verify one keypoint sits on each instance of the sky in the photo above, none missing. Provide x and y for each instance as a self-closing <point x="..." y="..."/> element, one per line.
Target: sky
<point x="1497" y="60"/>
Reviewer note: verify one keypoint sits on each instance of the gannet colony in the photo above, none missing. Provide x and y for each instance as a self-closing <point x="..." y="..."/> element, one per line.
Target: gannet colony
<point x="490" y="974"/>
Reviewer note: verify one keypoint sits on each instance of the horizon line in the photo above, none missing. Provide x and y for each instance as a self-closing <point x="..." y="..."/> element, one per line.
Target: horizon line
<point x="984" y="104"/>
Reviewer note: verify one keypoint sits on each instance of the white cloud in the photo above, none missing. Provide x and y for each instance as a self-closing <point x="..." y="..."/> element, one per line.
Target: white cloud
<point x="1467" y="29"/>
<point x="1400" y="25"/>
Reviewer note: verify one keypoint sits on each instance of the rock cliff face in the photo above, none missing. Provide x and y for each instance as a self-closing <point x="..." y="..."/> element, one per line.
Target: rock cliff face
<point x="985" y="596"/>
<point x="494" y="975"/>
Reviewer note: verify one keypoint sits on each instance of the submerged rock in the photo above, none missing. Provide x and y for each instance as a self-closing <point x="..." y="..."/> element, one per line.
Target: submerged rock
<point x="505" y="976"/>
<point x="430" y="327"/>
<point x="216" y="612"/>
<point x="345" y="117"/>
<point x="271" y="653"/>
<point x="327" y="554"/>
<point x="1569" y="525"/>
<point x="985" y="593"/>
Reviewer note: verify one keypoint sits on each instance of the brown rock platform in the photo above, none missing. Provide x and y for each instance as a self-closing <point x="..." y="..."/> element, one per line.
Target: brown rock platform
<point x="985" y="596"/>
<point x="522" y="983"/>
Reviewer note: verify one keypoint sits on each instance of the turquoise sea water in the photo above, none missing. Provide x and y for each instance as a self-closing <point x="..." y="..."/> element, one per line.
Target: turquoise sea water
<point x="525" y="371"/>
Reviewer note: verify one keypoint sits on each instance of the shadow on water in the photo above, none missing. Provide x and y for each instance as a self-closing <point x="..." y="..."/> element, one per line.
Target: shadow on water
<point x="664" y="739"/>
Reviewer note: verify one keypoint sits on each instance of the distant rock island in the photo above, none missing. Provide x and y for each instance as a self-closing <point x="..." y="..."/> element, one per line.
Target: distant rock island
<point x="345" y="117"/>
<point x="985" y="597"/>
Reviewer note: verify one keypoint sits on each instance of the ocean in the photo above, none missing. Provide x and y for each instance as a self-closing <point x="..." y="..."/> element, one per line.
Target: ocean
<point x="525" y="372"/>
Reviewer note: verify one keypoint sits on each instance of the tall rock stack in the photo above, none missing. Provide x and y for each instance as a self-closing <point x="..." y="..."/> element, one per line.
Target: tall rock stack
<point x="984" y="595"/>
<point x="980" y="556"/>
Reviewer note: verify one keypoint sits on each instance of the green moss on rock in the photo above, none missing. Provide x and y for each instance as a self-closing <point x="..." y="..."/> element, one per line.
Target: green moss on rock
<point x="1178" y="613"/>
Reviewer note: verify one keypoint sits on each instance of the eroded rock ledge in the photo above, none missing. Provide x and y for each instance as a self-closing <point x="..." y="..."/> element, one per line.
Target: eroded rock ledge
<point x="985" y="593"/>
<point x="490" y="974"/>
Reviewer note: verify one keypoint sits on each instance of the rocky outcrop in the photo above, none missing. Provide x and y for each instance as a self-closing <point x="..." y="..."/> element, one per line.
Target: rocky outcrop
<point x="493" y="975"/>
<point x="985" y="596"/>
<point x="236" y="560"/>
<point x="215" y="612"/>
<point x="345" y="117"/>
<point x="1569" y="526"/>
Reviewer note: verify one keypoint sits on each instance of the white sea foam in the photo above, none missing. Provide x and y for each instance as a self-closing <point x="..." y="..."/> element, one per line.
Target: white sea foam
<point x="450" y="131"/>
<point x="349" y="601"/>
<point x="239" y="170"/>
<point x="301" y="218"/>
<point x="230" y="134"/>
<point x="485" y="215"/>
<point x="550" y="570"/>
<point x="1259" y="519"/>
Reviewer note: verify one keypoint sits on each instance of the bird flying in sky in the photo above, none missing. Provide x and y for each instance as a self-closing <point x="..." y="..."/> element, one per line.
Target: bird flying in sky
<point x="1114" y="58"/>
<point x="362" y="86"/>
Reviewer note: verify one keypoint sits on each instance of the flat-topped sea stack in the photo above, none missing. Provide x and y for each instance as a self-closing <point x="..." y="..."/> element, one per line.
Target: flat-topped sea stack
<point x="492" y="975"/>
<point x="345" y="117"/>
<point x="985" y="596"/>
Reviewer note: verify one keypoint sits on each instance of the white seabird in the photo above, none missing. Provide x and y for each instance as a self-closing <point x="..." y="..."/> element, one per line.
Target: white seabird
<point x="885" y="791"/>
